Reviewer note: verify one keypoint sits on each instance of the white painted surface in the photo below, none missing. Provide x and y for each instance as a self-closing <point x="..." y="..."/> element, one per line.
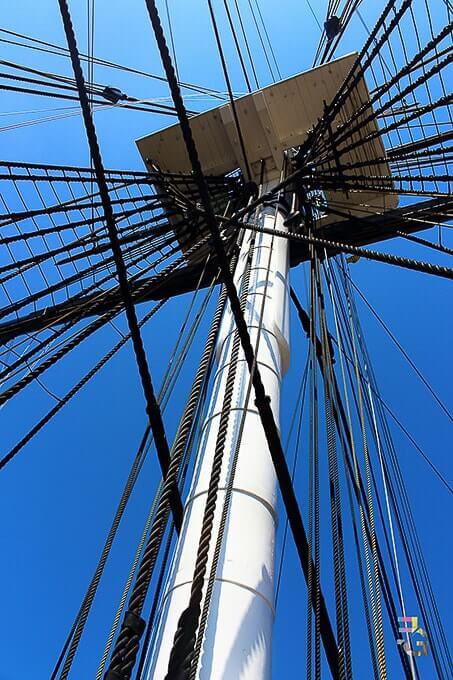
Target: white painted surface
<point x="237" y="643"/>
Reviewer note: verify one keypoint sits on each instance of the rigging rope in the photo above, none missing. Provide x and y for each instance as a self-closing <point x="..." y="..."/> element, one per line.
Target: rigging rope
<point x="230" y="92"/>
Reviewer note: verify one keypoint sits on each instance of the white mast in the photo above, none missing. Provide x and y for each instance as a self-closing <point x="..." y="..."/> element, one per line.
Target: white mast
<point x="237" y="642"/>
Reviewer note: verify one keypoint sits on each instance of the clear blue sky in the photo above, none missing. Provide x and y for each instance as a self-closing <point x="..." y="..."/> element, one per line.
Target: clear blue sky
<point x="58" y="496"/>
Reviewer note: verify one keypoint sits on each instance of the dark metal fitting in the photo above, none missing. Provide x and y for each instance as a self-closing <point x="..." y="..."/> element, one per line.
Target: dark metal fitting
<point x="265" y="400"/>
<point x="250" y="189"/>
<point x="112" y="94"/>
<point x="134" y="622"/>
<point x="114" y="675"/>
<point x="332" y="27"/>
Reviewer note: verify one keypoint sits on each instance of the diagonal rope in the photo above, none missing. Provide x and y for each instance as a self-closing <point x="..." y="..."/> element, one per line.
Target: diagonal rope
<point x="152" y="407"/>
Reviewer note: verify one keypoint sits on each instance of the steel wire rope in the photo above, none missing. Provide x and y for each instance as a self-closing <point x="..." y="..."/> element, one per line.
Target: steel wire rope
<point x="84" y="333"/>
<point x="334" y="487"/>
<point x="394" y="417"/>
<point x="40" y="382"/>
<point x="366" y="529"/>
<point x="68" y="84"/>
<point x="416" y="586"/>
<point x="314" y="537"/>
<point x="127" y="491"/>
<point x="98" y="323"/>
<point x="127" y="586"/>
<point x="269" y="195"/>
<point x="360" y="492"/>
<point x="390" y="542"/>
<point x="34" y="350"/>
<point x="425" y="73"/>
<point x="398" y="422"/>
<point x="154" y="607"/>
<point x="87" y="307"/>
<point x="104" y="62"/>
<point x="152" y="547"/>
<point x="367" y="210"/>
<point x="152" y="407"/>
<point x="350" y="440"/>
<point x="407" y="263"/>
<point x="310" y="484"/>
<point x="314" y="15"/>
<point x="267" y="38"/>
<point x="57" y="198"/>
<point x="170" y="28"/>
<point x="193" y="617"/>
<point x="69" y="97"/>
<point x="345" y="131"/>
<point x="416" y="583"/>
<point x="246" y="42"/>
<point x="366" y="541"/>
<point x="230" y="92"/>
<point x="192" y="443"/>
<point x="62" y="402"/>
<point x="263" y="44"/>
<point x="299" y="407"/>
<point x="409" y="75"/>
<point x="346" y="16"/>
<point x="82" y="294"/>
<point x="144" y="651"/>
<point x="60" y="240"/>
<point x="237" y="46"/>
<point x="67" y="206"/>
<point x="386" y="129"/>
<point x="183" y="466"/>
<point x="375" y="590"/>
<point x="401" y="348"/>
<point x="11" y="255"/>
<point x="418" y="555"/>
<point x="358" y="68"/>
<point x="27" y="245"/>
<point x="389" y="515"/>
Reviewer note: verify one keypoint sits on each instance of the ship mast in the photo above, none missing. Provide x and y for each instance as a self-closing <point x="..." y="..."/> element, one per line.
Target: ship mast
<point x="238" y="629"/>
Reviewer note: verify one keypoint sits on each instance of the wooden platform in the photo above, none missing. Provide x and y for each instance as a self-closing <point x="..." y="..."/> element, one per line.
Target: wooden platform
<point x="274" y="119"/>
